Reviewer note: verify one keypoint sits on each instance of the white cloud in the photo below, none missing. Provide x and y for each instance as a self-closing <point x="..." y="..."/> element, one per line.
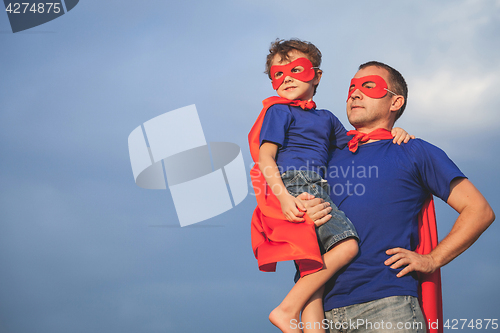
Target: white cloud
<point x="455" y="100"/>
<point x="452" y="70"/>
<point x="462" y="20"/>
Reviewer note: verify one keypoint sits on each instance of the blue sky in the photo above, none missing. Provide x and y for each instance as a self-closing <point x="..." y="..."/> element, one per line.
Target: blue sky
<point x="83" y="249"/>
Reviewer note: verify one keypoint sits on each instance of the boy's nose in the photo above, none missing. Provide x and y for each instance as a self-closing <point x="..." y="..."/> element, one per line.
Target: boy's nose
<point x="288" y="79"/>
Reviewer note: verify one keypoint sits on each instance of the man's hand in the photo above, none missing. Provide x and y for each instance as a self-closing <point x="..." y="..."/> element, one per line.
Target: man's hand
<point x="475" y="217"/>
<point x="292" y="208"/>
<point x="400" y="135"/>
<point x="413" y="261"/>
<point x="317" y="208"/>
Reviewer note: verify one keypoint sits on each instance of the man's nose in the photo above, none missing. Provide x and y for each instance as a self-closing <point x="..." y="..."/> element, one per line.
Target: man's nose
<point x="356" y="94"/>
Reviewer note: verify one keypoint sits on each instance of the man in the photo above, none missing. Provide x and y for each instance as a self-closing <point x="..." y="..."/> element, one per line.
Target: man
<point x="381" y="187"/>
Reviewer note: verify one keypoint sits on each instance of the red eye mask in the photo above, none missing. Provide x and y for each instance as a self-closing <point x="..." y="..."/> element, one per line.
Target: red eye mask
<point x="377" y="91"/>
<point x="307" y="73"/>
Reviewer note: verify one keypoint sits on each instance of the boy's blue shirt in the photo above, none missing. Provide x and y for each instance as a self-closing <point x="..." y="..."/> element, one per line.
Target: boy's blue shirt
<point x="304" y="138"/>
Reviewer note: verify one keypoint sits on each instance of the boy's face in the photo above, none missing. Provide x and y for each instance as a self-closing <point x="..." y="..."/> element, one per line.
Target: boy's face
<point x="292" y="88"/>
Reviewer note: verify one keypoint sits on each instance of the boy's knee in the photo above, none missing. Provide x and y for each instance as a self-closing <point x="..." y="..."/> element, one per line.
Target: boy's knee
<point x="351" y="247"/>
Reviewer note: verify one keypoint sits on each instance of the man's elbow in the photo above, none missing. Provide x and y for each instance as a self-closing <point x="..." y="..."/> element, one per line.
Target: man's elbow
<point x="490" y="215"/>
<point x="487" y="213"/>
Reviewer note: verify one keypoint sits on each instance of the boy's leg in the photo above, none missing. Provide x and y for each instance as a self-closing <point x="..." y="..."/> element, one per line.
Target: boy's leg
<point x="339" y="226"/>
<point x="289" y="310"/>
<point x="313" y="314"/>
<point x="304" y="295"/>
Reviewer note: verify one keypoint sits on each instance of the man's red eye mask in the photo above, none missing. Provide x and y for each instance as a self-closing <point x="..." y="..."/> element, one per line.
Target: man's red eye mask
<point x="307" y="73"/>
<point x="379" y="91"/>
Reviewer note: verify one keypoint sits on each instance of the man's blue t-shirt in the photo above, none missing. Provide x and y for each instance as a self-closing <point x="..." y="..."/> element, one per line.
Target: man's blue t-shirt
<point x="304" y="138"/>
<point x="381" y="188"/>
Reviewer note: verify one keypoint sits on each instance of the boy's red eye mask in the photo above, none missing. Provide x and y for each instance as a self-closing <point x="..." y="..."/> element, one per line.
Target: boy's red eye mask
<point x="306" y="73"/>
<point x="373" y="86"/>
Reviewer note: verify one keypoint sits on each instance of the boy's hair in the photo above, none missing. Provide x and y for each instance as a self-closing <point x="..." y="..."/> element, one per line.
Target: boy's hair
<point x="397" y="82"/>
<point x="282" y="47"/>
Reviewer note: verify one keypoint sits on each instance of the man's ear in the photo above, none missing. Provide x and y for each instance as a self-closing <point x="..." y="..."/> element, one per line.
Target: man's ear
<point x="397" y="102"/>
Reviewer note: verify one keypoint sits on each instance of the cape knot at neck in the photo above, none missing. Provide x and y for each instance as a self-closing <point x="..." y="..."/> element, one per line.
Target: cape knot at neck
<point x="378" y="134"/>
<point x="306" y="105"/>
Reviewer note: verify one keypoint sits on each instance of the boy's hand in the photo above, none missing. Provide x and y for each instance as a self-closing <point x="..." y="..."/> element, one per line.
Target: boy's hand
<point x="292" y="208"/>
<point x="400" y="135"/>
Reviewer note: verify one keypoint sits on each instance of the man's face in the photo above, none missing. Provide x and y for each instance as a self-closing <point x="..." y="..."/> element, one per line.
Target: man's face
<point x="364" y="111"/>
<point x="292" y="88"/>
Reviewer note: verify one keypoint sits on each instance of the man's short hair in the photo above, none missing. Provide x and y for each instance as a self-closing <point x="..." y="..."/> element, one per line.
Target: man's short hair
<point x="396" y="82"/>
<point x="282" y="47"/>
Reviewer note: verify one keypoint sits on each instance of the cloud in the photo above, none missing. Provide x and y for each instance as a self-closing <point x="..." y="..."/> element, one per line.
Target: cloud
<point x="462" y="19"/>
<point x="455" y="100"/>
<point x="452" y="70"/>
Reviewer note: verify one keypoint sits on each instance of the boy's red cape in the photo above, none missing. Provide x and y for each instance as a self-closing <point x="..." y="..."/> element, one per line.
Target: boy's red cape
<point x="275" y="239"/>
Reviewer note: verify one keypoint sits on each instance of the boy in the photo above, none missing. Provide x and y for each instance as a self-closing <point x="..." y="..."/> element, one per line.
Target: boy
<point x="290" y="143"/>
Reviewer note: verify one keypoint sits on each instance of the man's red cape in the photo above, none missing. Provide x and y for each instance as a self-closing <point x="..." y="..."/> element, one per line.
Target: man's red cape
<point x="430" y="295"/>
<point x="275" y="239"/>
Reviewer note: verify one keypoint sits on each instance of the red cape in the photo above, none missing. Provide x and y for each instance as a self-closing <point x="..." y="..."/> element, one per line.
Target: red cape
<point x="430" y="296"/>
<point x="275" y="239"/>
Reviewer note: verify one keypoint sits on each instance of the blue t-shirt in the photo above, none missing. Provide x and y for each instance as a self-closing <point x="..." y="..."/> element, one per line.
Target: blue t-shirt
<point x="304" y="138"/>
<point x="382" y="188"/>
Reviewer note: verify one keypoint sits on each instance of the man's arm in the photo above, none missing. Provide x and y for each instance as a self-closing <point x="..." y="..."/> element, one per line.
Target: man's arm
<point x="475" y="217"/>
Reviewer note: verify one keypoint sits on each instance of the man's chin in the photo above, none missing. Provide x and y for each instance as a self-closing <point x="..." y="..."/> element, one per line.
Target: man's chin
<point x="356" y="122"/>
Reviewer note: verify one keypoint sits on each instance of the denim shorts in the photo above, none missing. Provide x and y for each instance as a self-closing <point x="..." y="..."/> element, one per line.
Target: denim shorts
<point x="338" y="227"/>
<point x="398" y="314"/>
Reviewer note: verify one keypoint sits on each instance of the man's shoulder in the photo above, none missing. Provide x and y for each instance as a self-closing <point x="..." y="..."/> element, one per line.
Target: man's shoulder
<point x="419" y="147"/>
<point x="419" y="143"/>
<point x="421" y="155"/>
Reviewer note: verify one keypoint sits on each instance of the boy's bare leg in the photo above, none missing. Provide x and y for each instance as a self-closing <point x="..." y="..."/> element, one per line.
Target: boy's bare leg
<point x="313" y="313"/>
<point x="289" y="310"/>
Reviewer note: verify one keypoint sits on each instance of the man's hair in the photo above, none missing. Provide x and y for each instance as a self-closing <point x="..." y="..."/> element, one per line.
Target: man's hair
<point x="396" y="82"/>
<point x="282" y="47"/>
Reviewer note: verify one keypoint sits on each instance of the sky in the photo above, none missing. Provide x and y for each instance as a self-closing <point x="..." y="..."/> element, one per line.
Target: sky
<point x="84" y="249"/>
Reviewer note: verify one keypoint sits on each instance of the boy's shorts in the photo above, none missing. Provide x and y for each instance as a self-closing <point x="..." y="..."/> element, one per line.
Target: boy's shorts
<point x="338" y="227"/>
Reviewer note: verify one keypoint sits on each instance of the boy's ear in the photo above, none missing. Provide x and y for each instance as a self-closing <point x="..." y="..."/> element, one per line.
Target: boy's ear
<point x="317" y="77"/>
